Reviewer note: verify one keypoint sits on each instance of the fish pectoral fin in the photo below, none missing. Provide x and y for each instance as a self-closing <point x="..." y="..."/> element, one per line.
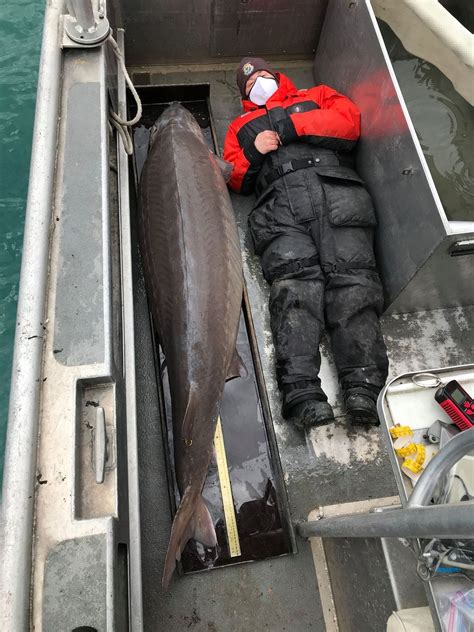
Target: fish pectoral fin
<point x="189" y="415"/>
<point x="236" y="368"/>
<point x="224" y="166"/>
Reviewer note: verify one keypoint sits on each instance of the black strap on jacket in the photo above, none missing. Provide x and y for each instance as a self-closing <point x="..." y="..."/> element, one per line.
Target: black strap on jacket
<point x="302" y="163"/>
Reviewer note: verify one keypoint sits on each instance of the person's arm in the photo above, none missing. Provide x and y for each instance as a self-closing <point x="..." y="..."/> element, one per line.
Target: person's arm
<point x="334" y="123"/>
<point x="246" y="162"/>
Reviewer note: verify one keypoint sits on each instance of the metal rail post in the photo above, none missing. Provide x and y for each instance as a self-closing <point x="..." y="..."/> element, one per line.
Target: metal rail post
<point x="83" y="25"/>
<point x="435" y="521"/>
<point x="135" y="574"/>
<point x="82" y="11"/>
<point x="416" y="520"/>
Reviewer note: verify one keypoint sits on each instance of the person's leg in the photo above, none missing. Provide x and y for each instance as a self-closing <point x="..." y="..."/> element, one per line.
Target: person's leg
<point x="291" y="265"/>
<point x="354" y="302"/>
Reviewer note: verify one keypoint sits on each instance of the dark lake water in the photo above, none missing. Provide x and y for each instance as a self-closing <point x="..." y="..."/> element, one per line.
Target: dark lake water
<point x="444" y="123"/>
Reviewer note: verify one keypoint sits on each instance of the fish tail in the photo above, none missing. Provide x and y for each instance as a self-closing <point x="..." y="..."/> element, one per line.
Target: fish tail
<point x="192" y="520"/>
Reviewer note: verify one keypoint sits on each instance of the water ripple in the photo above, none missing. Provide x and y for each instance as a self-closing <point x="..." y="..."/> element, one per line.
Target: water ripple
<point x="444" y="122"/>
<point x="21" y="23"/>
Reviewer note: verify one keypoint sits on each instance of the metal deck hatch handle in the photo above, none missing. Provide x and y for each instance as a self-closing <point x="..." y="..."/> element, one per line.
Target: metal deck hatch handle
<point x="100" y="445"/>
<point x="426" y="380"/>
<point x="460" y="248"/>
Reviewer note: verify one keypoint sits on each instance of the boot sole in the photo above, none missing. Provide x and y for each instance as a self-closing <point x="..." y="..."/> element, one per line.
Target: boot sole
<point x="363" y="418"/>
<point x="322" y="422"/>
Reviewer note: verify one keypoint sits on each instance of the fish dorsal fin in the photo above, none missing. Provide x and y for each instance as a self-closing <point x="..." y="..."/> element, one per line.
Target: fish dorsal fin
<point x="189" y="415"/>
<point x="236" y="368"/>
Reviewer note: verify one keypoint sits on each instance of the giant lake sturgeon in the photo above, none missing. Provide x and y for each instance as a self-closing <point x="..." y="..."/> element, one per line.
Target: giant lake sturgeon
<point x="193" y="270"/>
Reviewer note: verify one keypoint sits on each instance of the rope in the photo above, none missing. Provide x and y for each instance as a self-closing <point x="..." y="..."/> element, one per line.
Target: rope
<point x="120" y="124"/>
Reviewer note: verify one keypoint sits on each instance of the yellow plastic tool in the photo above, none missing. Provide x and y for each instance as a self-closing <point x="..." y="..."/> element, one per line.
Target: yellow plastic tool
<point x="226" y="492"/>
<point x="414" y="454"/>
<point x="406" y="450"/>
<point x="416" y="464"/>
<point x="400" y="431"/>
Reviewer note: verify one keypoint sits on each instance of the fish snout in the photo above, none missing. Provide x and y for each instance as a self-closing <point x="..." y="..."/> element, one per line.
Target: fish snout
<point x="175" y="114"/>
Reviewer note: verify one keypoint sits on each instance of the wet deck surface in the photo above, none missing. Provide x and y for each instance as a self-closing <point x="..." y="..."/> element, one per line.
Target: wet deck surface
<point x="329" y="465"/>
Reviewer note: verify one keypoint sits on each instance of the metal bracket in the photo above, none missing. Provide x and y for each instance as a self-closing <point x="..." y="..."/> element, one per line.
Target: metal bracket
<point x="83" y="26"/>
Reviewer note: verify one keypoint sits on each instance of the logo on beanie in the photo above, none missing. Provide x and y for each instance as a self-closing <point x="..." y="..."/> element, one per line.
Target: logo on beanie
<point x="247" y="69"/>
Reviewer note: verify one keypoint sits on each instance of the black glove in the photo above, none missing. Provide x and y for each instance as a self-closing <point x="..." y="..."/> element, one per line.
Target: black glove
<point x="286" y="131"/>
<point x="283" y="125"/>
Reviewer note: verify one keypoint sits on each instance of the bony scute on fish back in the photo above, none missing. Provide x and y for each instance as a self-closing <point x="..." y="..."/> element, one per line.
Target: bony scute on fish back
<point x="194" y="277"/>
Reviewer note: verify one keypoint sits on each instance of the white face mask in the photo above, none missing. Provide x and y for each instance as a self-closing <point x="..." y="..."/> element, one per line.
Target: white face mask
<point x="262" y="90"/>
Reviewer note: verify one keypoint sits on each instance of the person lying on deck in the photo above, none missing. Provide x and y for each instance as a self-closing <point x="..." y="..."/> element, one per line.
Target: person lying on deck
<point x="313" y="228"/>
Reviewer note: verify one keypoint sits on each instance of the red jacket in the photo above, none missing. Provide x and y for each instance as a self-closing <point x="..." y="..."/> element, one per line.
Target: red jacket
<point x="318" y="115"/>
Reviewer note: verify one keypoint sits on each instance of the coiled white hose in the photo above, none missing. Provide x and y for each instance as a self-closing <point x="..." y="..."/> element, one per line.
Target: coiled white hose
<point x="122" y="126"/>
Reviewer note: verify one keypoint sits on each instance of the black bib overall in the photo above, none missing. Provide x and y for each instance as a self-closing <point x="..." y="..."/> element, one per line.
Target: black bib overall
<point x="313" y="227"/>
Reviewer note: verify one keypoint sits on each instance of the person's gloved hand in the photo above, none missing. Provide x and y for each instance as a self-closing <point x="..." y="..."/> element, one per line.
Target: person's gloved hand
<point x="286" y="130"/>
<point x="283" y="125"/>
<point x="266" y="141"/>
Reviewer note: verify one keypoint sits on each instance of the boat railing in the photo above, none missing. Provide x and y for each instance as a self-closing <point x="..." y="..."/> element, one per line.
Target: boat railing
<point x="72" y="399"/>
<point x="420" y="515"/>
<point x="418" y="518"/>
<point x="21" y="446"/>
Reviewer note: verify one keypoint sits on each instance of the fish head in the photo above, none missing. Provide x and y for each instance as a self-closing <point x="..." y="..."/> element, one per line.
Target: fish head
<point x="179" y="117"/>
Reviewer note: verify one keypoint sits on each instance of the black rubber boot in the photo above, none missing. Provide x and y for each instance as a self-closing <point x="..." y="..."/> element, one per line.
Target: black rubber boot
<point x="362" y="410"/>
<point x="311" y="413"/>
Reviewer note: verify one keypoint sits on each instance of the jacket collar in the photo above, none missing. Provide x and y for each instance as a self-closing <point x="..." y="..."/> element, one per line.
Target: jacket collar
<point x="285" y="90"/>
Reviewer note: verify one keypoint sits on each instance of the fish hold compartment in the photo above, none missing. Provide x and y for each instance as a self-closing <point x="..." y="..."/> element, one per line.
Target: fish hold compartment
<point x="257" y="497"/>
<point x="247" y="499"/>
<point x="155" y="100"/>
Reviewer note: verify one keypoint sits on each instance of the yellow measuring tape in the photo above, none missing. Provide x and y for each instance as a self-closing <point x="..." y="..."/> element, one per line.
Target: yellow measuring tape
<point x="226" y="492"/>
<point x="414" y="454"/>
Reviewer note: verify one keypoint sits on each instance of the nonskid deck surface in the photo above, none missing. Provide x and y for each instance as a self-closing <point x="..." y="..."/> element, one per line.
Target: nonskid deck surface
<point x="329" y="465"/>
